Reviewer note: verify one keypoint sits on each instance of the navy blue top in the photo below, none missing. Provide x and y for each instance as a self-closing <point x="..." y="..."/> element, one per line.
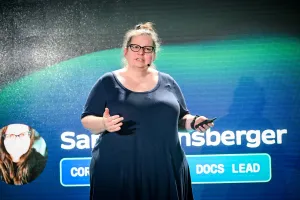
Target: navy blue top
<point x="144" y="160"/>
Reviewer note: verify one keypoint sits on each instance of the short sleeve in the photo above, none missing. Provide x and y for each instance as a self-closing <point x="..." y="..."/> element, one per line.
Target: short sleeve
<point x="180" y="99"/>
<point x="96" y="101"/>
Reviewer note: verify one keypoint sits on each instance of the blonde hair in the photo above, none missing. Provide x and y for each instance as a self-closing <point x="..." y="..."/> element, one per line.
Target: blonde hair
<point x="141" y="29"/>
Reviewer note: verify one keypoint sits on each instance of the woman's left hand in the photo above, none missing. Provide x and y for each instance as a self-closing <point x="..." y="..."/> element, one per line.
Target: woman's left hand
<point x="204" y="127"/>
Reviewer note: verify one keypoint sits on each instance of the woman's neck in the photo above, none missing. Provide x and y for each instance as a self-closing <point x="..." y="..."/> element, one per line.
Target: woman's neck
<point x="137" y="73"/>
<point x="15" y="159"/>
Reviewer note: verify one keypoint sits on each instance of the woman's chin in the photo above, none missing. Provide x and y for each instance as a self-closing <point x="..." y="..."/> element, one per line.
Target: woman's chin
<point x="140" y="66"/>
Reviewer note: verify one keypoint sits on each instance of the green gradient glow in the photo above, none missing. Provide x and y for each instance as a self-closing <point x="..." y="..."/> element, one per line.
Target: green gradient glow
<point x="221" y="61"/>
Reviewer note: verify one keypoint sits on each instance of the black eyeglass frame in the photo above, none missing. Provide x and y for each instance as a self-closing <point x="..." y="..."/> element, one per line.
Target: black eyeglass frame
<point x="26" y="132"/>
<point x="140" y="47"/>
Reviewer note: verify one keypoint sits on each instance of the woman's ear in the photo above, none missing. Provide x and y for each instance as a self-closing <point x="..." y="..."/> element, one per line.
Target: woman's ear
<point x="125" y="51"/>
<point x="153" y="57"/>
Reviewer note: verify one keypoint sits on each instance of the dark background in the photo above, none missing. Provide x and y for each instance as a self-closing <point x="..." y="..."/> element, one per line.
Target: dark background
<point x="38" y="33"/>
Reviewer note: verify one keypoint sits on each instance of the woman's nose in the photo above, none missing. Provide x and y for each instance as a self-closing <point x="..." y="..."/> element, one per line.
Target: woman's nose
<point x="141" y="51"/>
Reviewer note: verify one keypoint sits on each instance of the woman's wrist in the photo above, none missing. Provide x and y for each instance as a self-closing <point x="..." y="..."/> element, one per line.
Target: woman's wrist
<point x="193" y="122"/>
<point x="103" y="123"/>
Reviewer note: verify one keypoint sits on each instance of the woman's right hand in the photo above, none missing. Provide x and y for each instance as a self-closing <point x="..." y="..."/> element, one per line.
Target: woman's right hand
<point x="112" y="123"/>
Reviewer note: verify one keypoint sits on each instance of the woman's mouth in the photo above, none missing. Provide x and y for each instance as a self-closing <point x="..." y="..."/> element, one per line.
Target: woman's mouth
<point x="140" y="59"/>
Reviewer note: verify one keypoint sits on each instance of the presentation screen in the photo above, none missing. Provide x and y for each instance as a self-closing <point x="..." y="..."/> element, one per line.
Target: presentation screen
<point x="238" y="62"/>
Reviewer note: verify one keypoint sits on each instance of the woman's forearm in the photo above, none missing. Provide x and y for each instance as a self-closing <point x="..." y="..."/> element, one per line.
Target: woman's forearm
<point x="188" y="119"/>
<point x="93" y="123"/>
<point x="185" y="122"/>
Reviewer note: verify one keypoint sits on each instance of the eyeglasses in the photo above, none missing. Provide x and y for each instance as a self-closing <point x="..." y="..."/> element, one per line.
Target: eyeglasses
<point x="12" y="136"/>
<point x="136" y="48"/>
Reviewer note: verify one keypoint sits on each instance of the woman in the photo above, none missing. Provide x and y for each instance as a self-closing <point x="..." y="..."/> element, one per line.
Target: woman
<point x="138" y="111"/>
<point x="19" y="162"/>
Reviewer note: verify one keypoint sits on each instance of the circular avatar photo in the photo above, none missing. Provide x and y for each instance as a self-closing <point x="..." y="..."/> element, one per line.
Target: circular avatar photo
<point x="23" y="154"/>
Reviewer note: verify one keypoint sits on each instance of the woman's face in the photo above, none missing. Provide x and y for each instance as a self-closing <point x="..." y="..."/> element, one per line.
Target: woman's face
<point x="17" y="140"/>
<point x="140" y="57"/>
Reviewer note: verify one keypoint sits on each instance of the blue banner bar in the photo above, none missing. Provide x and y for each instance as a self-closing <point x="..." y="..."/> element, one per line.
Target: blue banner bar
<point x="230" y="168"/>
<point x="204" y="169"/>
<point x="75" y="172"/>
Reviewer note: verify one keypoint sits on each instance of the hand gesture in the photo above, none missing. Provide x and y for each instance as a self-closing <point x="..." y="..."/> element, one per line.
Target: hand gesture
<point x="111" y="123"/>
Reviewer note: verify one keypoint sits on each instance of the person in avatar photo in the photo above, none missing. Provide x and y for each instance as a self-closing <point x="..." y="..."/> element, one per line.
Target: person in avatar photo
<point x="20" y="162"/>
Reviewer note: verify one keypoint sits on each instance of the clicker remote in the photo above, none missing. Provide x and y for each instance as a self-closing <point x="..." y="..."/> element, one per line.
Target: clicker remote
<point x="207" y="121"/>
